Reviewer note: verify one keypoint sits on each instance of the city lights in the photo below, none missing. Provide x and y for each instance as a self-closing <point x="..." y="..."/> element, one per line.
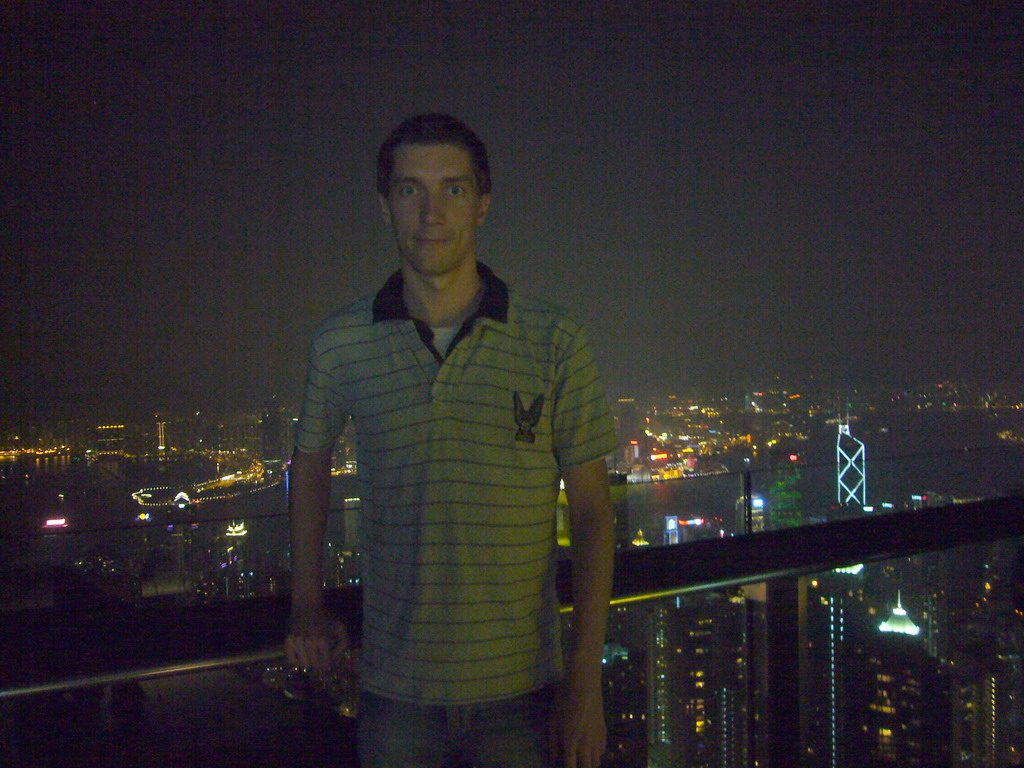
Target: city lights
<point x="684" y="463"/>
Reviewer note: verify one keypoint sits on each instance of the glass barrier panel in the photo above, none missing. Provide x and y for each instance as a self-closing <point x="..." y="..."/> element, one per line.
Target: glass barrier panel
<point x="911" y="662"/>
<point x="824" y="470"/>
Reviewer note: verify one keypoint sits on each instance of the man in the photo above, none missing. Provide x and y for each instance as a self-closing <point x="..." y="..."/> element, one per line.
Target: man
<point x="470" y="401"/>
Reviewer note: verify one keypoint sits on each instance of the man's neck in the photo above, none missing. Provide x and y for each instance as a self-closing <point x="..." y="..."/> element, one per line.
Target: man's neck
<point x="441" y="300"/>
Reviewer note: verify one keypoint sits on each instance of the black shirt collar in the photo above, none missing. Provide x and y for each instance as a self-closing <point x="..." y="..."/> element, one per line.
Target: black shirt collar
<point x="388" y="304"/>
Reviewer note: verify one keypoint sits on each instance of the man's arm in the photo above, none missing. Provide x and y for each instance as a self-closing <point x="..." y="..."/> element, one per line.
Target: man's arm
<point x="579" y="718"/>
<point x="312" y="637"/>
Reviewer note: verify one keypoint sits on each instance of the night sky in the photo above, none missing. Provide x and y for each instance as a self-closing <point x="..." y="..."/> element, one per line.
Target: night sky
<point x="722" y="195"/>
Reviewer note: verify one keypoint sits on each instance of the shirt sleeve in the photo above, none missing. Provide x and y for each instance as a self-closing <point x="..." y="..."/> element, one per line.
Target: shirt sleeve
<point x="582" y="424"/>
<point x="323" y="415"/>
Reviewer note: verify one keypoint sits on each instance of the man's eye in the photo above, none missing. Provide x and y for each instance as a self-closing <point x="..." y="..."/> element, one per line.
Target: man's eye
<point x="456" y="189"/>
<point x="406" y="190"/>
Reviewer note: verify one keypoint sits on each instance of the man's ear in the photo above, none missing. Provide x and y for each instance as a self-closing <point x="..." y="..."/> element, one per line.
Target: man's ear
<point x="384" y="209"/>
<point x="482" y="206"/>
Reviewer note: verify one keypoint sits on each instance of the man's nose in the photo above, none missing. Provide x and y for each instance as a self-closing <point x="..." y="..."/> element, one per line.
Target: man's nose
<point x="433" y="208"/>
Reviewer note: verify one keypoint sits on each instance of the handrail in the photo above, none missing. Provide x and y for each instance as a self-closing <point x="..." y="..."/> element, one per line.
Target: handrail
<point x="809" y="549"/>
<point x="641" y="574"/>
<point x="146" y="673"/>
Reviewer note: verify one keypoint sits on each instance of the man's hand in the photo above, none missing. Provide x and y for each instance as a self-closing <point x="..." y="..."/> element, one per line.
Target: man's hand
<point x="577" y="732"/>
<point x="315" y="641"/>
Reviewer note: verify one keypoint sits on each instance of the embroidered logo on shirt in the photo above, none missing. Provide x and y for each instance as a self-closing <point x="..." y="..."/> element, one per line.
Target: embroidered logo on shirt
<point x="526" y="418"/>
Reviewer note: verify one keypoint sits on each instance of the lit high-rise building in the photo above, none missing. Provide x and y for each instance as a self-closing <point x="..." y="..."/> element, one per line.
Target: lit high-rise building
<point x="851" y="473"/>
<point x="699" y="682"/>
<point x="832" y="603"/>
<point x="272" y="434"/>
<point x="898" y="704"/>
<point x="109" y="438"/>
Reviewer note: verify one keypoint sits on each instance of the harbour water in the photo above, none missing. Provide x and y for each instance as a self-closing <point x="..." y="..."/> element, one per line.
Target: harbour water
<point x="913" y="460"/>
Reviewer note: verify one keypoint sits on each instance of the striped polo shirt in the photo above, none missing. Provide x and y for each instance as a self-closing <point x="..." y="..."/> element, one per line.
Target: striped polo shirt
<point x="459" y="459"/>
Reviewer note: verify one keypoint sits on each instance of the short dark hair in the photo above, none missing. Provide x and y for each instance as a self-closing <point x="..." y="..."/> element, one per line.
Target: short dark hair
<point x="437" y="128"/>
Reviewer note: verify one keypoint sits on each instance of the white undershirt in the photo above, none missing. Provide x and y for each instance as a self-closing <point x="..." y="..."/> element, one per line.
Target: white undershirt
<point x="444" y="334"/>
<point x="443" y="337"/>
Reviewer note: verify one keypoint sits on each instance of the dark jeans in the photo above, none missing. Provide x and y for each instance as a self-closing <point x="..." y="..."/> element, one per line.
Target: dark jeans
<point x="501" y="734"/>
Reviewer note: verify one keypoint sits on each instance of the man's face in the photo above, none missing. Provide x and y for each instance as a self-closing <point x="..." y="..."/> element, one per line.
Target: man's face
<point x="434" y="207"/>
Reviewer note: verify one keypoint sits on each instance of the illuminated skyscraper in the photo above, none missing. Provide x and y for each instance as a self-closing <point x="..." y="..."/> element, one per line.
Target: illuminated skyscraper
<point x="671" y="529"/>
<point x="832" y="601"/>
<point x="271" y="425"/>
<point x="109" y="438"/>
<point x="988" y="668"/>
<point x="851" y="475"/>
<point x="785" y="500"/>
<point x="628" y="420"/>
<point x="698" y="695"/>
<point x="625" y="696"/>
<point x="899" y="702"/>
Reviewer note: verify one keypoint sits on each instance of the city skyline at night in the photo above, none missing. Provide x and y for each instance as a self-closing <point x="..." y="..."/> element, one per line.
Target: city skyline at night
<point x="682" y="674"/>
